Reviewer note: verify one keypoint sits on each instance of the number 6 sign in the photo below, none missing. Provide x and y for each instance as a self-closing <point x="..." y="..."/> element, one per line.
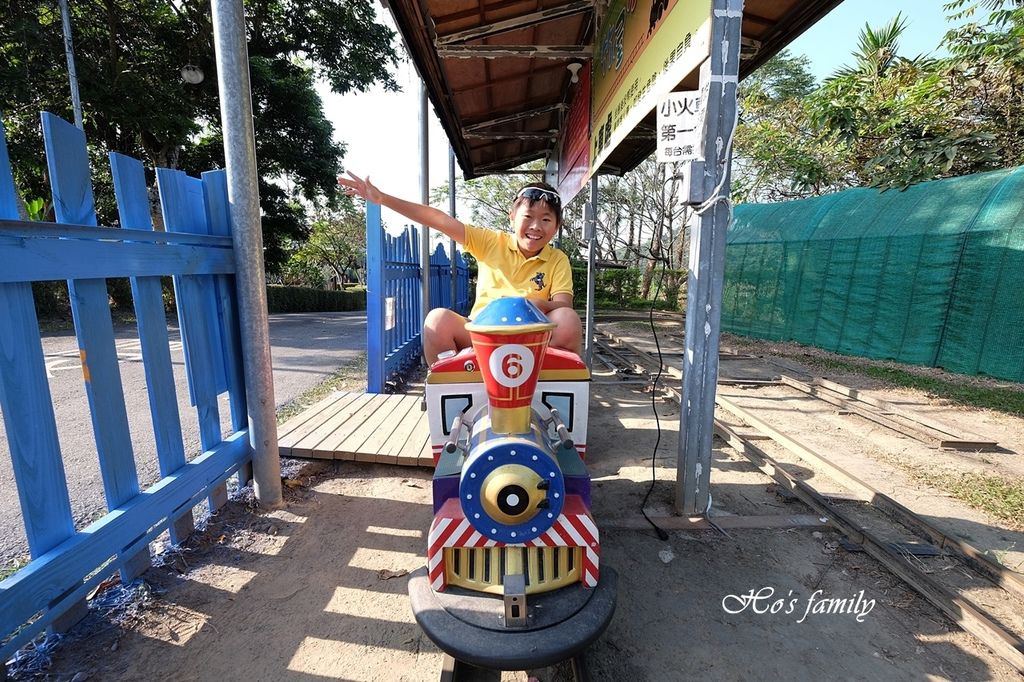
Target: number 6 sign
<point x="511" y="365"/>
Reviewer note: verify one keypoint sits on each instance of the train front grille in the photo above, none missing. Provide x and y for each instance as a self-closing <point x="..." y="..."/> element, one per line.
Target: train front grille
<point x="482" y="569"/>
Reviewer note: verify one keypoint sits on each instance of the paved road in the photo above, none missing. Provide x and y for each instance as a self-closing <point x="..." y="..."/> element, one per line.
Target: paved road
<point x="306" y="349"/>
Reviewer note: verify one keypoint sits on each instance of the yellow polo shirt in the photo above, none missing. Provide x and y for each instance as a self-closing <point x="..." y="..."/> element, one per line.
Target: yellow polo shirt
<point x="504" y="271"/>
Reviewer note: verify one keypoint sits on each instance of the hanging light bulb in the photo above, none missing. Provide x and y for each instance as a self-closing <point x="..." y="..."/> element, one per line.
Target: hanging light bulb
<point x="574" y="69"/>
<point x="192" y="74"/>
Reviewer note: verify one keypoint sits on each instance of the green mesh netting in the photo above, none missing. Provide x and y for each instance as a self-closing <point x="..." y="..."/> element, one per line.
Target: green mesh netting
<point x="933" y="275"/>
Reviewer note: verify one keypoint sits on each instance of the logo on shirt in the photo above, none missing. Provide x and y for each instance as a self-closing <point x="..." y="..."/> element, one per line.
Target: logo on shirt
<point x="538" y="279"/>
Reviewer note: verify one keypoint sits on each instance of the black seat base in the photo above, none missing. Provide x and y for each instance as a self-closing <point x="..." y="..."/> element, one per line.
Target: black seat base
<point x="583" y="616"/>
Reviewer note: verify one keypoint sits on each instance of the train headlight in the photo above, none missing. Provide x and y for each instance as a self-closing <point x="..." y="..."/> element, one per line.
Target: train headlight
<point x="511" y="490"/>
<point x="511" y="494"/>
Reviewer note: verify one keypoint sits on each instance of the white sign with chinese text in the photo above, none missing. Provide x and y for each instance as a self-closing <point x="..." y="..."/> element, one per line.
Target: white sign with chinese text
<point x="680" y="123"/>
<point x="389" y="313"/>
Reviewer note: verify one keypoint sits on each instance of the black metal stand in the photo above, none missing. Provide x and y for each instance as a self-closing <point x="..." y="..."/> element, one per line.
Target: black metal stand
<point x="468" y="627"/>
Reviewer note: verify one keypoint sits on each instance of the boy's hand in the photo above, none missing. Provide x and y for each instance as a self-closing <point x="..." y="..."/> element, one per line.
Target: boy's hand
<point x="359" y="187"/>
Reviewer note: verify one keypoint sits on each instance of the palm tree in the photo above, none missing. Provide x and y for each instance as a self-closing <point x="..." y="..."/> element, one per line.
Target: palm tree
<point x="876" y="50"/>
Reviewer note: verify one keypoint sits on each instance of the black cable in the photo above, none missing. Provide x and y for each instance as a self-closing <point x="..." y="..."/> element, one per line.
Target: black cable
<point x="654" y="408"/>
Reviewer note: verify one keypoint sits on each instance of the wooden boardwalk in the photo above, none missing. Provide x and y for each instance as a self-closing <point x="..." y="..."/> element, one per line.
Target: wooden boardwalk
<point x="363" y="427"/>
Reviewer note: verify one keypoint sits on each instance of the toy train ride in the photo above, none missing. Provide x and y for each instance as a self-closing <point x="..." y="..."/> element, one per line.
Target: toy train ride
<point x="513" y="577"/>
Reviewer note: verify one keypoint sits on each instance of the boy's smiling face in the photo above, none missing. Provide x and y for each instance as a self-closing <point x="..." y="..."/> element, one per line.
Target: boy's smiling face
<point x="533" y="225"/>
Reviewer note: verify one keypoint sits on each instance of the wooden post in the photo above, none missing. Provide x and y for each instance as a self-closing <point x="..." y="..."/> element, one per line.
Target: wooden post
<point x="718" y="80"/>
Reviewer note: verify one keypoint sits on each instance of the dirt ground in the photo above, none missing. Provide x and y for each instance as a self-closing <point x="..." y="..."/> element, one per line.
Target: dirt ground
<point x="318" y="590"/>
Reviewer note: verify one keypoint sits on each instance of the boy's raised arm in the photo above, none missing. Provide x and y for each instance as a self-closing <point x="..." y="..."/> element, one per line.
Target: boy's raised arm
<point x="418" y="213"/>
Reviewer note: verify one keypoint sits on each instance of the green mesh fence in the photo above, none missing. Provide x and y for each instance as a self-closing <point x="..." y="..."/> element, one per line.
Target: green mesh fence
<point x="933" y="275"/>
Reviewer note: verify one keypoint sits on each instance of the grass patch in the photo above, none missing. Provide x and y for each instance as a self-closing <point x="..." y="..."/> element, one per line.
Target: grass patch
<point x="992" y="398"/>
<point x="995" y="495"/>
<point x="351" y="377"/>
<point x="12" y="567"/>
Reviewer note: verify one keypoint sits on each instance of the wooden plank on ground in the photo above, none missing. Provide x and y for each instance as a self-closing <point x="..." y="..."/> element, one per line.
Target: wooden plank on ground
<point x="314" y="436"/>
<point x="948" y="435"/>
<point x="298" y="440"/>
<point x="327" y="447"/>
<point x="396" y="443"/>
<point x="374" y="445"/>
<point x="346" y="443"/>
<point x="286" y="430"/>
<point x="419" y="439"/>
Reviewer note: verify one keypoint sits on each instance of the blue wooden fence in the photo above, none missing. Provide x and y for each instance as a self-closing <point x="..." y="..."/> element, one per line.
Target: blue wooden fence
<point x="196" y="251"/>
<point x="393" y="296"/>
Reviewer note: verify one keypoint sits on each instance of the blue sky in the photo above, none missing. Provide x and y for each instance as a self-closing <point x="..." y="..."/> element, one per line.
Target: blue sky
<point x="830" y="42"/>
<point x="380" y="129"/>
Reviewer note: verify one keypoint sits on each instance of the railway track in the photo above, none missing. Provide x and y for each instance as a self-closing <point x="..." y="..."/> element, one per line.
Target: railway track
<point x="977" y="593"/>
<point x="454" y="670"/>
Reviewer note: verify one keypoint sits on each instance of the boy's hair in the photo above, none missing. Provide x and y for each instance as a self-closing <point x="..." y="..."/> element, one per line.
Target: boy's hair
<point x="555" y="207"/>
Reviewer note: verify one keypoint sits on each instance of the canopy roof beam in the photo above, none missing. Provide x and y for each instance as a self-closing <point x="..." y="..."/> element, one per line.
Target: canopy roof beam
<point x="512" y="118"/>
<point x="515" y="161"/>
<point x="511" y="135"/>
<point x="524" y="21"/>
<point x="528" y="51"/>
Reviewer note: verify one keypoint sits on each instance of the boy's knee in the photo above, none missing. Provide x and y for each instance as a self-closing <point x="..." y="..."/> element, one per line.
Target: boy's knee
<point x="436" y="318"/>
<point x="569" y="331"/>
<point x="565" y="317"/>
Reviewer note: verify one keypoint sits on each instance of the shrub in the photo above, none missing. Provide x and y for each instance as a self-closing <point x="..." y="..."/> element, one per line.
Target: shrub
<point x="282" y="299"/>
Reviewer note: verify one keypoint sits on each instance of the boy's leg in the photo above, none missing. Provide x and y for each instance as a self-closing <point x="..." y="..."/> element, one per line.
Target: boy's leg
<point x="568" y="334"/>
<point x="443" y="330"/>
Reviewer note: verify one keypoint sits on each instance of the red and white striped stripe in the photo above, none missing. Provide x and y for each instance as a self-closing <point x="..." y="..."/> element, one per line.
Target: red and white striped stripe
<point x="573" y="528"/>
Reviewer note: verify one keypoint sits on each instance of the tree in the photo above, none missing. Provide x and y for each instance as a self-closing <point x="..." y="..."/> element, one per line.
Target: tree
<point x="901" y="119"/>
<point x="779" y="152"/>
<point x="129" y="55"/>
<point x="986" y="71"/>
<point x="337" y="243"/>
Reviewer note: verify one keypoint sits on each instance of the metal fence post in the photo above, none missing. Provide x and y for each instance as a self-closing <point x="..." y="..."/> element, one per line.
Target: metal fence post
<point x="374" y="300"/>
<point x="590" y="234"/>
<point x="243" y="198"/>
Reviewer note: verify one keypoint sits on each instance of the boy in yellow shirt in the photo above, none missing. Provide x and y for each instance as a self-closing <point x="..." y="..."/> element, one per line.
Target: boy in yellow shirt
<point x="522" y="263"/>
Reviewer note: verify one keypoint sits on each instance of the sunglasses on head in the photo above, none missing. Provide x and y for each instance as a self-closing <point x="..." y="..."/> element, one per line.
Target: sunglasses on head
<point x="538" y="194"/>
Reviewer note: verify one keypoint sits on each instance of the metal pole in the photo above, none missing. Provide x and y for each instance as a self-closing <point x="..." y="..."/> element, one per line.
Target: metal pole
<point x="718" y="78"/>
<point x="246" y="232"/>
<point x="451" y="212"/>
<point x="590" y="228"/>
<point x="424" y="199"/>
<point x="69" y="51"/>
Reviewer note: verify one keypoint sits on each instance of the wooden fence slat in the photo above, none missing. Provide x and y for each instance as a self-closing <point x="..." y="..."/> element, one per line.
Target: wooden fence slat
<point x="63" y="567"/>
<point x="95" y="330"/>
<point x="147" y="295"/>
<point x="215" y="193"/>
<point x="183" y="206"/>
<point x="16" y="229"/>
<point x="31" y="258"/>
<point x="130" y="192"/>
<point x="8" y="194"/>
<point x="68" y="163"/>
<point x="30" y="425"/>
<point x="67" y="564"/>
